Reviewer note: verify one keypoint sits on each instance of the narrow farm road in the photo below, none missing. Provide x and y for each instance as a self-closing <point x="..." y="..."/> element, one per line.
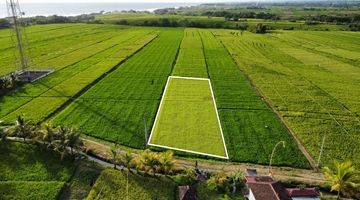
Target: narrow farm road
<point x="103" y="154"/>
<point x="280" y="173"/>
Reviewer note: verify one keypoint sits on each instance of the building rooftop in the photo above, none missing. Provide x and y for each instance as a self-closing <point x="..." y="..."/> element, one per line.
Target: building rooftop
<point x="266" y="188"/>
<point x="297" y="192"/>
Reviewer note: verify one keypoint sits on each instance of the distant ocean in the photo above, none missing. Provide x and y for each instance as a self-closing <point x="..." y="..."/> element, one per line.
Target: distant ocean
<point x="71" y="9"/>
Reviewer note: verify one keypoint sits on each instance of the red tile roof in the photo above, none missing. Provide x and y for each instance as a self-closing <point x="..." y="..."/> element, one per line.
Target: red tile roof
<point x="266" y="188"/>
<point x="308" y="192"/>
<point x="263" y="191"/>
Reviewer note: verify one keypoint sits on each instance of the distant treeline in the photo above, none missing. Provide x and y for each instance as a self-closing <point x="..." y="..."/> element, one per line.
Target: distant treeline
<point x="54" y="19"/>
<point x="232" y="20"/>
<point x="170" y="22"/>
<point x="342" y="19"/>
<point x="4" y="23"/>
<point x="235" y="16"/>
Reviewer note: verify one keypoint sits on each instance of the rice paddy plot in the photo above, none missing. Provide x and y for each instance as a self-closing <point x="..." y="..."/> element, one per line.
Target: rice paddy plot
<point x="187" y="119"/>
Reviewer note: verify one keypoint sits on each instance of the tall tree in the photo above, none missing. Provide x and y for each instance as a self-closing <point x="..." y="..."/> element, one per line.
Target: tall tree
<point x="23" y="129"/>
<point x="60" y="141"/>
<point x="167" y="162"/>
<point x="47" y="135"/>
<point x="149" y="161"/>
<point x="114" y="156"/>
<point x="3" y="134"/>
<point x="236" y="179"/>
<point x="127" y="160"/>
<point x="342" y="177"/>
<point x="73" y="139"/>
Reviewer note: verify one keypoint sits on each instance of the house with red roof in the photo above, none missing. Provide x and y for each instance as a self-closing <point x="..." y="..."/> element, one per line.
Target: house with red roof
<point x="266" y="188"/>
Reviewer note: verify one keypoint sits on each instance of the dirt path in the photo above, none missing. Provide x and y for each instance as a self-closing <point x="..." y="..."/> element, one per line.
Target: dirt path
<point x="280" y="173"/>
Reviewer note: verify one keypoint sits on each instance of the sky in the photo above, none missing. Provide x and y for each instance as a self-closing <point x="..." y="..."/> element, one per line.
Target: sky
<point x="131" y="1"/>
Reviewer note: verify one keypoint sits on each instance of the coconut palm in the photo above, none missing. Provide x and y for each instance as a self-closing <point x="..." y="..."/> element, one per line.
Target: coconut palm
<point x="60" y="142"/>
<point x="236" y="179"/>
<point x="149" y="161"/>
<point x="47" y="135"/>
<point x="114" y="156"/>
<point x="73" y="140"/>
<point x="167" y="162"/>
<point x="342" y="177"/>
<point x="218" y="181"/>
<point x="3" y="135"/>
<point x="23" y="129"/>
<point x="127" y="160"/>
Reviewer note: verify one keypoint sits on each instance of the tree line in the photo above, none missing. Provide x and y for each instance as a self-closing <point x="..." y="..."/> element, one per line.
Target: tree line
<point x="63" y="140"/>
<point x="235" y="16"/>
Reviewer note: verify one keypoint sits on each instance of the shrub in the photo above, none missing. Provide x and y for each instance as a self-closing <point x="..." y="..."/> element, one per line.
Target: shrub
<point x="260" y="28"/>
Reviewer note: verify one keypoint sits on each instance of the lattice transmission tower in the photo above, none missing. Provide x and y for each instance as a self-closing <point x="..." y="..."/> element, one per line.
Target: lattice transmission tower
<point x="25" y="70"/>
<point x="18" y="35"/>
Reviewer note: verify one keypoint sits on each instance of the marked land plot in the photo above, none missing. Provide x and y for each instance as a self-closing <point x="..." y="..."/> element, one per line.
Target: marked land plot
<point x="187" y="119"/>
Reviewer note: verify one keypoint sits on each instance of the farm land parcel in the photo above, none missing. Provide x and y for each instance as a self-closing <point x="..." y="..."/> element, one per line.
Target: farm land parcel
<point x="109" y="78"/>
<point x="187" y="119"/>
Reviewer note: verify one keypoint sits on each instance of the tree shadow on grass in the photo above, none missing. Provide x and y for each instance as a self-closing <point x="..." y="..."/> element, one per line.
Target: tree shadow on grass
<point x="26" y="162"/>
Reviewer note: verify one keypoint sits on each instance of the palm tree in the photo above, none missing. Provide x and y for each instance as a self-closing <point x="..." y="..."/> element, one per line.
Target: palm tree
<point x="3" y="135"/>
<point x="23" y="128"/>
<point x="60" y="141"/>
<point x="236" y="178"/>
<point x="149" y="161"/>
<point x="167" y="162"/>
<point x="127" y="160"/>
<point x="47" y="135"/>
<point x="73" y="140"/>
<point x="218" y="181"/>
<point x="342" y="177"/>
<point x="114" y="156"/>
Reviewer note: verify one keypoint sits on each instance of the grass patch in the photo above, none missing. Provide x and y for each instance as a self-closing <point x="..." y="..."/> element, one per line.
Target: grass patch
<point x="28" y="172"/>
<point x="30" y="189"/>
<point x="112" y="184"/>
<point x="81" y="183"/>
<point x="188" y="115"/>
<point x="24" y="162"/>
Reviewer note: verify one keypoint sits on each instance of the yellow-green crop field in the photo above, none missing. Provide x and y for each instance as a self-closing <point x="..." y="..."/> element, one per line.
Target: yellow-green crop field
<point x="187" y="114"/>
<point x="109" y="80"/>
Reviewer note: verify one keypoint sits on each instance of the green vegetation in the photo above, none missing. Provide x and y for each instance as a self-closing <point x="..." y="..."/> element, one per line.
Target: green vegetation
<point x="27" y="172"/>
<point x="109" y="79"/>
<point x="343" y="178"/>
<point x="23" y="190"/>
<point x="130" y="185"/>
<point x="187" y="116"/>
<point x="75" y="71"/>
<point x="184" y="20"/>
<point x="113" y="184"/>
<point x="311" y="79"/>
<point x="82" y="181"/>
<point x="116" y="112"/>
<point x="251" y="129"/>
<point x="191" y="61"/>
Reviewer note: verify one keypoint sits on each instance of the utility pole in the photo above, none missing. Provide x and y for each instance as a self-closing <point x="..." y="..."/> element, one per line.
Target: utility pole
<point x="145" y="132"/>
<point x="321" y="150"/>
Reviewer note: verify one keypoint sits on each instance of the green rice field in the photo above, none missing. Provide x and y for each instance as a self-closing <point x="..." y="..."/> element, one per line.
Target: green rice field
<point x="186" y="116"/>
<point x="108" y="81"/>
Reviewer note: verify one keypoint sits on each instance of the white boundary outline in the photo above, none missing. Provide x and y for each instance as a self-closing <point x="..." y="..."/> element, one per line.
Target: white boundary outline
<point x="217" y="116"/>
